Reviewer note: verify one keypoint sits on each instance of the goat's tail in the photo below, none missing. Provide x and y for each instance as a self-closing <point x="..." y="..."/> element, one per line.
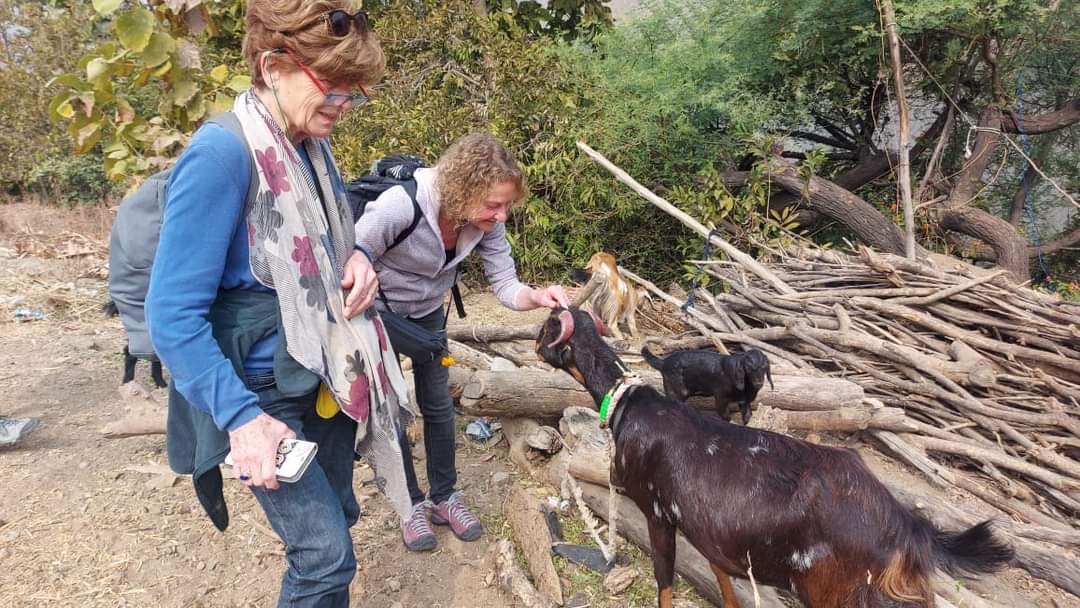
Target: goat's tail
<point x="906" y="578"/>
<point x="652" y="359"/>
<point x="973" y="551"/>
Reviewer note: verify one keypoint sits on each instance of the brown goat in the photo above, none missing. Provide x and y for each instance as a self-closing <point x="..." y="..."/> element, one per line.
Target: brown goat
<point x="808" y="518"/>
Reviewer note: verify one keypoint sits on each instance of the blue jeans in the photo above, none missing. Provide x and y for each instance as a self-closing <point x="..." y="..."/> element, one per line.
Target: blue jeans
<point x="432" y="380"/>
<point x="313" y="515"/>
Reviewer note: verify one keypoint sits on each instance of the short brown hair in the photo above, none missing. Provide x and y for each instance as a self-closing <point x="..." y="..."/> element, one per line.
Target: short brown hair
<point x="469" y="168"/>
<point x="350" y="60"/>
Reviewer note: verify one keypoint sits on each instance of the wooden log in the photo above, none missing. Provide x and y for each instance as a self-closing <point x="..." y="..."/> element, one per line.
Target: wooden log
<point x="469" y="356"/>
<point x="513" y="580"/>
<point x="538" y="393"/>
<point x="544" y="439"/>
<point x="531" y="532"/>
<point x="842" y="420"/>
<point x="492" y="333"/>
<point x="688" y="561"/>
<point x="517" y="430"/>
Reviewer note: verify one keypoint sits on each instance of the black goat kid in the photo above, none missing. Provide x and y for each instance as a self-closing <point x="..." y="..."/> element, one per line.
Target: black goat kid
<point x="727" y="378"/>
<point x="809" y="518"/>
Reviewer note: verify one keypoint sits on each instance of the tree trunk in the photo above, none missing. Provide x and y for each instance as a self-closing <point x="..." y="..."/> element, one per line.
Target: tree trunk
<point x="961" y="215"/>
<point x="903" y="170"/>
<point x="1010" y="247"/>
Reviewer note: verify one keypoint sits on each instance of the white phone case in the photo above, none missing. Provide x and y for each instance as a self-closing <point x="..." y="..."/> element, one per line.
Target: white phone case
<point x="295" y="456"/>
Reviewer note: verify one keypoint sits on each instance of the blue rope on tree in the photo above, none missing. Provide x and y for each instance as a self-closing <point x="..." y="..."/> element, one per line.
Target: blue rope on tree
<point x="706" y="252"/>
<point x="1025" y="183"/>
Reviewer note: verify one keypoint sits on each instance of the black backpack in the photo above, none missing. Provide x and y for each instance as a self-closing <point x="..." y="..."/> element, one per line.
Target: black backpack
<point x="387" y="172"/>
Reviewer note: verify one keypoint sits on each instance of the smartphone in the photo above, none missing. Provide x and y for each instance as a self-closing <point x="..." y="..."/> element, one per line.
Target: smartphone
<point x="294" y="456"/>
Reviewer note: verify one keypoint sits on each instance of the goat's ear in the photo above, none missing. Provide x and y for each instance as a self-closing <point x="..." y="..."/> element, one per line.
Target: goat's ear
<point x="601" y="327"/>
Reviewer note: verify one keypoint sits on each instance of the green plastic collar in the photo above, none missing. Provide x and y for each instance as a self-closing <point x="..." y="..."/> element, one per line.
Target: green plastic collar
<point x="605" y="404"/>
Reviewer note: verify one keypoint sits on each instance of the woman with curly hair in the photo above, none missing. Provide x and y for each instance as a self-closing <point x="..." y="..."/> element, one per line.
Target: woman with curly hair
<point x="464" y="200"/>
<point x="257" y="298"/>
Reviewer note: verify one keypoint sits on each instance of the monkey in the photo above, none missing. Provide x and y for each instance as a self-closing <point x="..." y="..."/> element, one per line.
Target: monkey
<point x="614" y="300"/>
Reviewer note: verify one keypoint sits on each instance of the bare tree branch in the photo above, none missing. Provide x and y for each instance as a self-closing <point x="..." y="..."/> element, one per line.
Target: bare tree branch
<point x="1066" y="240"/>
<point x="1066" y="116"/>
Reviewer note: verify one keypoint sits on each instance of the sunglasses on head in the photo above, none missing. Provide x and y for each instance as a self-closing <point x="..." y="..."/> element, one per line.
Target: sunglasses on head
<point x="340" y="22"/>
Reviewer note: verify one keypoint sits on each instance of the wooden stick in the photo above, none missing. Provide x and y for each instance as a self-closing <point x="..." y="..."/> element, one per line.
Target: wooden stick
<point x="730" y="250"/>
<point x="530" y="530"/>
<point x="903" y="177"/>
<point x="947" y="293"/>
<point x="513" y="580"/>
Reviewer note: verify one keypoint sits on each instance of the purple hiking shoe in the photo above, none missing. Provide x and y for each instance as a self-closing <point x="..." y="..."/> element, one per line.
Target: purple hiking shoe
<point x="416" y="531"/>
<point x="462" y="522"/>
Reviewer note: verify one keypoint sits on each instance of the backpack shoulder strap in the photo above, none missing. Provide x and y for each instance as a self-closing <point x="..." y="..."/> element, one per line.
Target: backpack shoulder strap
<point x="231" y="122"/>
<point x="410" y="189"/>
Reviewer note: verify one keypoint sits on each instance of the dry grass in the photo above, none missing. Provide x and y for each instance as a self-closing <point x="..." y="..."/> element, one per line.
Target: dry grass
<point x="72" y="288"/>
<point x="90" y="221"/>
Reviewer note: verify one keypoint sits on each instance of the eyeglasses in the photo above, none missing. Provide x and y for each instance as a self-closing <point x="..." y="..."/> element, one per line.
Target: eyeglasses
<point x="339" y="23"/>
<point x="330" y="99"/>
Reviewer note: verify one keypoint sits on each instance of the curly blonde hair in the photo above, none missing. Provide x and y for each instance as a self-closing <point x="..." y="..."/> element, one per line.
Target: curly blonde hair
<point x="469" y="168"/>
<point x="353" y="59"/>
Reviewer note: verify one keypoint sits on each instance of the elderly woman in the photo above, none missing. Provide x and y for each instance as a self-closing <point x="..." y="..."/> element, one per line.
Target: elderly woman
<point x="257" y="297"/>
<point x="465" y="200"/>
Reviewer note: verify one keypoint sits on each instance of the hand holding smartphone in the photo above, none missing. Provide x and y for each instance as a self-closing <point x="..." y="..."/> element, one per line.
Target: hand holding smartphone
<point x="293" y="458"/>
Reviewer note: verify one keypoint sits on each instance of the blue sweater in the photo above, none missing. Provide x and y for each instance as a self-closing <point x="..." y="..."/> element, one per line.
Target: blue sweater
<point x="203" y="248"/>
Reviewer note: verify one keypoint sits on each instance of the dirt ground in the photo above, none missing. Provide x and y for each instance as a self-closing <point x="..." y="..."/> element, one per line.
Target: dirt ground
<point x="88" y="521"/>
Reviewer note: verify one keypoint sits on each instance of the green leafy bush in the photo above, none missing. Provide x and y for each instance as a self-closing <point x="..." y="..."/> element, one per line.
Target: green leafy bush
<point x="36" y="43"/>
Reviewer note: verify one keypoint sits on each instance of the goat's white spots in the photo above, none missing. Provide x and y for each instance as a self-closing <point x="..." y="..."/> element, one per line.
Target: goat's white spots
<point x="802" y="561"/>
<point x="651" y="486"/>
<point x="676" y="514"/>
<point x="711" y="449"/>
<point x="759" y="446"/>
<point x="656" y="509"/>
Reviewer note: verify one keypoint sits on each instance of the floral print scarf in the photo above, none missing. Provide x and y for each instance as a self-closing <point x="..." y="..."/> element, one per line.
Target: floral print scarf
<point x="298" y="245"/>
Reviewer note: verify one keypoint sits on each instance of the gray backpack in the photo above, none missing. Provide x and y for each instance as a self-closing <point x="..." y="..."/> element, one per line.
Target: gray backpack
<point x="132" y="247"/>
